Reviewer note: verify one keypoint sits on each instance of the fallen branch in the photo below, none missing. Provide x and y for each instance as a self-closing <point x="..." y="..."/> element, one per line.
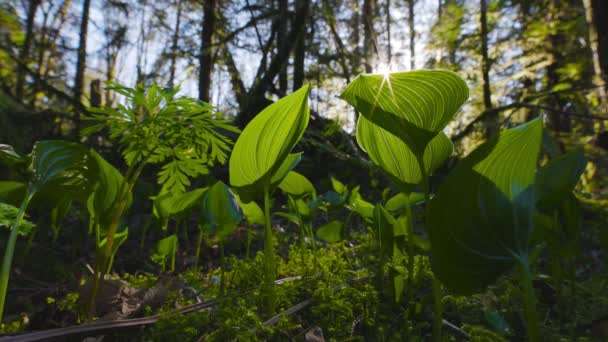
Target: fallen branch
<point x="111" y="326"/>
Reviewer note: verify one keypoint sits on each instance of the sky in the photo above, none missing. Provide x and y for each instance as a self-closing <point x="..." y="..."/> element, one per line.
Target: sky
<point x="323" y="100"/>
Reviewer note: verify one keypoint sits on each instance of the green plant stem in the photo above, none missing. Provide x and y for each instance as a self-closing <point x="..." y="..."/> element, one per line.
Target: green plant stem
<point x="101" y="265"/>
<point x="313" y="242"/>
<point x="269" y="264"/>
<point x="223" y="267"/>
<point x="530" y="302"/>
<point x="249" y="237"/>
<point x="437" y="294"/>
<point x="198" y="248"/>
<point x="438" y="310"/>
<point x="7" y="261"/>
<point x="410" y="252"/>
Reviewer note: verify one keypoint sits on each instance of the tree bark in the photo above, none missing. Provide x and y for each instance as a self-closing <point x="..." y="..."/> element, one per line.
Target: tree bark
<point x="81" y="63"/>
<point x="300" y="49"/>
<point x="410" y="21"/>
<point x="174" y="44"/>
<point x="282" y="43"/>
<point x="25" y="49"/>
<point x="554" y="44"/>
<point x="597" y="20"/>
<point x="206" y="55"/>
<point x="369" y="10"/>
<point x="491" y="122"/>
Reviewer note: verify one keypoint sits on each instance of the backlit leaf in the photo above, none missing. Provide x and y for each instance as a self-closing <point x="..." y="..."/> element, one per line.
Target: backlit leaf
<point x="267" y="140"/>
<point x="414" y="105"/>
<point x="395" y="158"/>
<point x="297" y="185"/>
<point x="480" y="220"/>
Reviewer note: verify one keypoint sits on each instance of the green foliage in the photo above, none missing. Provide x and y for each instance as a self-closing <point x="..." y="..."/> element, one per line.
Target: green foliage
<point x="414" y="106"/>
<point x="480" y="218"/>
<point x="264" y="145"/>
<point x="297" y="185"/>
<point x="166" y="250"/>
<point x="556" y="180"/>
<point x="330" y="232"/>
<point x="8" y="214"/>
<point x="395" y="158"/>
<point x="182" y="134"/>
<point x="58" y="167"/>
<point x="221" y="212"/>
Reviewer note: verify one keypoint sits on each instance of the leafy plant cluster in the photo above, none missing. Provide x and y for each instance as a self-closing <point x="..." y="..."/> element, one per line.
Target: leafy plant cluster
<point x="497" y="210"/>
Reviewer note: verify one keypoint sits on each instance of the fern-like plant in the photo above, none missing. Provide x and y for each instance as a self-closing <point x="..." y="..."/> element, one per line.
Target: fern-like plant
<point x="183" y="135"/>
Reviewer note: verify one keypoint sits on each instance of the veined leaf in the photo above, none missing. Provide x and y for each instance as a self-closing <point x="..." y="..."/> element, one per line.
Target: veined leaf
<point x="292" y="160"/>
<point x="252" y="211"/>
<point x="480" y="220"/>
<point x="12" y="192"/>
<point x="330" y="232"/>
<point x="166" y="249"/>
<point x="55" y="159"/>
<point x="393" y="156"/>
<point x="221" y="212"/>
<point x="414" y="105"/>
<point x="266" y="142"/>
<point x="295" y="184"/>
<point x="169" y="204"/>
<point x="109" y="182"/>
<point x="556" y="180"/>
<point x="401" y="200"/>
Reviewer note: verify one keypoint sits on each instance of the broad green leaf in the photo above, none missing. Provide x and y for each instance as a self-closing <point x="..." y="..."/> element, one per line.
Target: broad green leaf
<point x="166" y="249"/>
<point x="338" y="186"/>
<point x="331" y="232"/>
<point x="289" y="216"/>
<point x="401" y="200"/>
<point x="357" y="204"/>
<point x="295" y="184"/>
<point x="558" y="178"/>
<point x="266" y="142"/>
<point x="177" y="205"/>
<point x="414" y="105"/>
<point x="383" y="223"/>
<point x="58" y="213"/>
<point x="184" y="203"/>
<point x="9" y="156"/>
<point x="292" y="160"/>
<point x="480" y="220"/>
<point x="12" y="192"/>
<point x="56" y="160"/>
<point x="252" y="211"/>
<point x="105" y="196"/>
<point x="221" y="212"/>
<point x="395" y="158"/>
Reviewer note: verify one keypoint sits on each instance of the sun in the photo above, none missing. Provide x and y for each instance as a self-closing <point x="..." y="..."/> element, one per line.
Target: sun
<point x="383" y="69"/>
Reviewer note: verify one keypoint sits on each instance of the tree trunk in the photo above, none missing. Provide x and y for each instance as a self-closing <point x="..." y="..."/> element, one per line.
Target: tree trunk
<point x="554" y="44"/>
<point x="355" y="38"/>
<point x="174" y="45"/>
<point x="81" y="63"/>
<point x="300" y="49"/>
<point x="282" y="43"/>
<point x="369" y="10"/>
<point x="25" y="49"/>
<point x="491" y="122"/>
<point x="410" y="21"/>
<point x="206" y="55"/>
<point x="597" y="20"/>
<point x="389" y="54"/>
